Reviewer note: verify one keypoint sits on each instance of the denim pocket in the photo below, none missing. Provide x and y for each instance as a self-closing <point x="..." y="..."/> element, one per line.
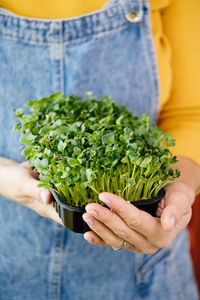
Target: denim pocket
<point x="148" y="263"/>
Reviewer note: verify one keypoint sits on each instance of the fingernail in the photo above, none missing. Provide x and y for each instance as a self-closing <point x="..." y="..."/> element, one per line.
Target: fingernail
<point x="92" y="213"/>
<point x="88" y="221"/>
<point x="172" y="221"/>
<point x="89" y="239"/>
<point x="104" y="200"/>
<point x="43" y="196"/>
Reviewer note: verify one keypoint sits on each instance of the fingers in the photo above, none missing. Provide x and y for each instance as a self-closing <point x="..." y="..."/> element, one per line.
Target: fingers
<point x="176" y="207"/>
<point x="113" y="230"/>
<point x="160" y="208"/>
<point x="135" y="218"/>
<point x="51" y="213"/>
<point x="104" y="236"/>
<point x="92" y="238"/>
<point x="44" y="210"/>
<point x="105" y="233"/>
<point x="142" y="232"/>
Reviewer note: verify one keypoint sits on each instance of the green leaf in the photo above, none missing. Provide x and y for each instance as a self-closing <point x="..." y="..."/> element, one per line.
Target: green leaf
<point x="118" y="121"/>
<point x="41" y="164"/>
<point x="128" y="133"/>
<point x="125" y="160"/>
<point x="108" y="138"/>
<point x="57" y="123"/>
<point x="146" y="162"/>
<point x="90" y="175"/>
<point x="47" y="152"/>
<point x="83" y="128"/>
<point x="66" y="173"/>
<point x="114" y="162"/>
<point x="44" y="179"/>
<point x="122" y="139"/>
<point x="27" y="151"/>
<point x="18" y="111"/>
<point x="133" y="146"/>
<point x="132" y="181"/>
<point x="61" y="145"/>
<point x="44" y="163"/>
<point x="30" y="103"/>
<point x="27" y="138"/>
<point x="44" y="130"/>
<point x="77" y="150"/>
<point x="171" y="172"/>
<point x="72" y="162"/>
<point x="74" y="127"/>
<point x="17" y="126"/>
<point x="45" y="186"/>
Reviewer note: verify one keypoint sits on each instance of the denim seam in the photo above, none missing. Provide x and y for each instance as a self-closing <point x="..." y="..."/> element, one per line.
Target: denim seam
<point x="175" y="275"/>
<point x="56" y="64"/>
<point x="76" y="39"/>
<point x="154" y="66"/>
<point x="150" y="263"/>
<point x="68" y="41"/>
<point x="176" y="279"/>
<point x="61" y="60"/>
<point x="148" y="56"/>
<point x="56" y="263"/>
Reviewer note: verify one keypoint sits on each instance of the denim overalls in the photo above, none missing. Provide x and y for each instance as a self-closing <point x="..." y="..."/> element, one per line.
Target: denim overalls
<point x="109" y="53"/>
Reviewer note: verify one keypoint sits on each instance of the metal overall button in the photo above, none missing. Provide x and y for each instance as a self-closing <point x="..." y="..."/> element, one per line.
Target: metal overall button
<point x="134" y="17"/>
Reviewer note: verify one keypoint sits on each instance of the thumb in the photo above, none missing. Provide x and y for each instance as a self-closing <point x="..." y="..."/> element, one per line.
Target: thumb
<point x="176" y="206"/>
<point x="32" y="189"/>
<point x="43" y="199"/>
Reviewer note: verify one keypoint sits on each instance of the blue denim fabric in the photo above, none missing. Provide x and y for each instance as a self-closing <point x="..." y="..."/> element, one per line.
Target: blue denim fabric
<point x="104" y="53"/>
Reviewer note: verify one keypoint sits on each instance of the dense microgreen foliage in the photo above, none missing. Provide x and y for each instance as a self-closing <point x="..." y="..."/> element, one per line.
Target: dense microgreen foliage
<point x="81" y="148"/>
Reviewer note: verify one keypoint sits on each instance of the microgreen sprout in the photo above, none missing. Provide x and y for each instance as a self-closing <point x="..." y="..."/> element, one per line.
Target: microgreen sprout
<point x="81" y="148"/>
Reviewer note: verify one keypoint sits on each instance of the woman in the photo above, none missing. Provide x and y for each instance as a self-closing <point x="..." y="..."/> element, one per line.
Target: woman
<point x="106" y="51"/>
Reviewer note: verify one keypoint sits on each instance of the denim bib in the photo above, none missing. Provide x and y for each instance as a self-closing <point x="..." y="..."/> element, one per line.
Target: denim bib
<point x="107" y="52"/>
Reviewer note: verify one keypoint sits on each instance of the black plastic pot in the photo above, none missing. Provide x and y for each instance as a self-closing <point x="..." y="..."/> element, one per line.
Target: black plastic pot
<point x="72" y="216"/>
<point x="149" y="205"/>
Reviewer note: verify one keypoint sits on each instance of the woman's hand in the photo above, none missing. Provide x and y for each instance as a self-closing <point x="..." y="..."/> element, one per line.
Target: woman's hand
<point x="142" y="232"/>
<point x="19" y="183"/>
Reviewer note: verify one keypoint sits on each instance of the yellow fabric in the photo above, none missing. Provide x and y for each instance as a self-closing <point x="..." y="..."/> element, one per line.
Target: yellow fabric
<point x="175" y="26"/>
<point x="52" y="9"/>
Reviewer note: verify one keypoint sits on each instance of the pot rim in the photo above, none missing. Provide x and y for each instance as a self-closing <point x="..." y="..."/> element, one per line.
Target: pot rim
<point x="66" y="206"/>
<point x="161" y="193"/>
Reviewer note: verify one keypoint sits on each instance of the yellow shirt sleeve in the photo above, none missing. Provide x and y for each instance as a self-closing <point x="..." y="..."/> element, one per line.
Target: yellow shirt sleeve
<point x="180" y="115"/>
